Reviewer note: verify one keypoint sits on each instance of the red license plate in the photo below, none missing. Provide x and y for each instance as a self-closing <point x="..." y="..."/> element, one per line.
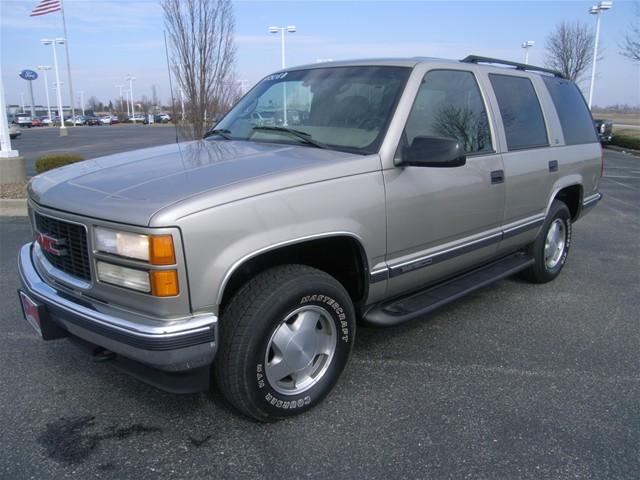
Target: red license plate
<point x="31" y="312"/>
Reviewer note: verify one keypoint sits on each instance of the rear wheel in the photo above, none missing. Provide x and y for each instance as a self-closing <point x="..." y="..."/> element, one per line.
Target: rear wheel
<point x="551" y="248"/>
<point x="286" y="336"/>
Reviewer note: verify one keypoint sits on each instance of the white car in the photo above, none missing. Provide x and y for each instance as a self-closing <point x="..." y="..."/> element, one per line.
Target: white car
<point x="105" y="119"/>
<point x="14" y="132"/>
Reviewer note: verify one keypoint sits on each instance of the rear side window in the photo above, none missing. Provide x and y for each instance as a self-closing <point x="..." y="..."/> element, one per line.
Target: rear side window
<point x="575" y="117"/>
<point x="520" y="111"/>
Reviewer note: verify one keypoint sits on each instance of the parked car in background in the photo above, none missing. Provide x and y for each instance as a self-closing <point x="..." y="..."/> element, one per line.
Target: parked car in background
<point x="109" y="119"/>
<point x="138" y="118"/>
<point x="604" y="128"/>
<point x="14" y="131"/>
<point x="47" y="121"/>
<point x="77" y="120"/>
<point x="92" y="120"/>
<point x="36" y="122"/>
<point x="162" y="118"/>
<point x="23" y="120"/>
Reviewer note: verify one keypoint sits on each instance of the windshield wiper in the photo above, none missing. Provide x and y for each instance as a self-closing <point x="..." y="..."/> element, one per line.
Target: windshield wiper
<point x="222" y="132"/>
<point x="304" y="136"/>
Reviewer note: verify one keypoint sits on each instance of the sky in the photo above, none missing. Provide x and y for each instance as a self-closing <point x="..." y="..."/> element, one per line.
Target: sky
<point x="109" y="39"/>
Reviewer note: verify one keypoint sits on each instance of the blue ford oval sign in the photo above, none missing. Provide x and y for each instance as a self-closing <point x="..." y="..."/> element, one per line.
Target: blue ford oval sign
<point x="28" y="74"/>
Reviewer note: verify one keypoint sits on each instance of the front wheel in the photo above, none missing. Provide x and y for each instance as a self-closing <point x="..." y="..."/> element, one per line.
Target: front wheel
<point x="286" y="336"/>
<point x="551" y="248"/>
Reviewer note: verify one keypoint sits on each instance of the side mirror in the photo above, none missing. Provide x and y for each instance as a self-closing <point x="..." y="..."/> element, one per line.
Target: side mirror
<point x="434" y="152"/>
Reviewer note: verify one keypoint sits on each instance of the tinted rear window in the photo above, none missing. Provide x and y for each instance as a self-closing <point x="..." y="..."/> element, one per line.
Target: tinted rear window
<point x="575" y="117"/>
<point x="520" y="111"/>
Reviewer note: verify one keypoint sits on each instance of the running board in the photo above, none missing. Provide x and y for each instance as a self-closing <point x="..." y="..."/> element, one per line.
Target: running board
<point x="399" y="310"/>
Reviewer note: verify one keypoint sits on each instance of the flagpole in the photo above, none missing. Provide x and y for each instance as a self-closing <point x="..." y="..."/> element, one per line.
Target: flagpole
<point x="66" y="47"/>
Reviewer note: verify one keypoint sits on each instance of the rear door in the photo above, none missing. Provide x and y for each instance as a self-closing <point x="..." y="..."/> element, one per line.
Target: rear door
<point x="530" y="163"/>
<point x="443" y="220"/>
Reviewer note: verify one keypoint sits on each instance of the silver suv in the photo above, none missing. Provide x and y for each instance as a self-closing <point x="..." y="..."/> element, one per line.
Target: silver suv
<point x="365" y="191"/>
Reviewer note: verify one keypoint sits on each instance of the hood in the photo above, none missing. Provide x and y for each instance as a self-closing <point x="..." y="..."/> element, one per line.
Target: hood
<point x="131" y="187"/>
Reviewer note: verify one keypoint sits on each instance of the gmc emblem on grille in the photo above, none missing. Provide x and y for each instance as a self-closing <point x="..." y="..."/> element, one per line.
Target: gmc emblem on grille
<point x="50" y="244"/>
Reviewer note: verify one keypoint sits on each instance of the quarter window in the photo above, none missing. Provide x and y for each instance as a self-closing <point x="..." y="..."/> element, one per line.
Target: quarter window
<point x="449" y="104"/>
<point x="575" y="117"/>
<point x="520" y="110"/>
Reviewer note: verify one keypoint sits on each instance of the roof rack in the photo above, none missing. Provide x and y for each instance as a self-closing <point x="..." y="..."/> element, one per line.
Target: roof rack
<point x="519" y="66"/>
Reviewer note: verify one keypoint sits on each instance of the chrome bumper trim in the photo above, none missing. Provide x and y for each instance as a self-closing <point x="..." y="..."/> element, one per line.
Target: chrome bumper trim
<point x="154" y="344"/>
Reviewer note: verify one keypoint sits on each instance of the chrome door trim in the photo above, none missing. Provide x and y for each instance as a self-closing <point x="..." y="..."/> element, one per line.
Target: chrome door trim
<point x="452" y="252"/>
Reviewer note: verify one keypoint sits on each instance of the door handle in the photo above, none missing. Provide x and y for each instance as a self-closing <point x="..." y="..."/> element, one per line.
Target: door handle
<point x="497" y="176"/>
<point x="553" y="166"/>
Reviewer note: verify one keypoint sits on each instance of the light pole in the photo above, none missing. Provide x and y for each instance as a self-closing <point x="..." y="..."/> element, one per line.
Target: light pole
<point x="81" y="92"/>
<point x="597" y="11"/>
<point x="120" y="87"/>
<point x="126" y="97"/>
<point x="11" y="164"/>
<point x="130" y="79"/>
<point x="5" y="139"/>
<point x="527" y="45"/>
<point x="182" y="103"/>
<point x="53" y="42"/>
<point x="21" y="102"/>
<point x="181" y="80"/>
<point x="45" y="68"/>
<point x="282" y="30"/>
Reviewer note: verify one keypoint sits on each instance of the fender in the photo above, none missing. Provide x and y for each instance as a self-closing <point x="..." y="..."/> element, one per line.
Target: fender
<point x="238" y="263"/>
<point x="562" y="183"/>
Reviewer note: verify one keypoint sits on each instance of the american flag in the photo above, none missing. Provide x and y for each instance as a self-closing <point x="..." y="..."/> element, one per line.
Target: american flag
<point x="46" y="6"/>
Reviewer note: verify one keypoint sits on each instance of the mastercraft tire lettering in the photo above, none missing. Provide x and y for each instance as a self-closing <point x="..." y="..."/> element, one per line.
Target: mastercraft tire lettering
<point x="286" y="337"/>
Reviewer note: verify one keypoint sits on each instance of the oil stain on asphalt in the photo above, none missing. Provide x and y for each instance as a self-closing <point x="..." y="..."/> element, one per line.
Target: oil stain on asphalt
<point x="71" y="440"/>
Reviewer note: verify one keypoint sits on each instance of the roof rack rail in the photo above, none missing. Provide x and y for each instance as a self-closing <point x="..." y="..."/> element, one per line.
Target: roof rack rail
<point x="519" y="66"/>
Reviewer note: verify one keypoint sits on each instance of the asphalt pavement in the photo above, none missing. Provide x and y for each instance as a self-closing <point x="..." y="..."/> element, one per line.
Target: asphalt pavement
<point x="90" y="142"/>
<point x="516" y="381"/>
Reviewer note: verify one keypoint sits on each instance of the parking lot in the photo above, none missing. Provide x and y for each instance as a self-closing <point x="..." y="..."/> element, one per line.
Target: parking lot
<point x="515" y="381"/>
<point x="90" y="142"/>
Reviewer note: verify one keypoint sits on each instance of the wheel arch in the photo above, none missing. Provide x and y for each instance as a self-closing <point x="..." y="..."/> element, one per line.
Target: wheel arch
<point x="340" y="254"/>
<point x="570" y="191"/>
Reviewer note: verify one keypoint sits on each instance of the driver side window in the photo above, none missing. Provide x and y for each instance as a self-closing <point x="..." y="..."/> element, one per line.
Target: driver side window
<point x="449" y="105"/>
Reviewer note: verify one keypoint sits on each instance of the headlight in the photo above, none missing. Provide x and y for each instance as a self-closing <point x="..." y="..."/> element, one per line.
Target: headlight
<point x="124" y="277"/>
<point x="155" y="249"/>
<point x="125" y="244"/>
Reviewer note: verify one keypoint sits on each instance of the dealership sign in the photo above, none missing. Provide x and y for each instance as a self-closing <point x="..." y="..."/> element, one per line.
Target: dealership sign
<point x="28" y="75"/>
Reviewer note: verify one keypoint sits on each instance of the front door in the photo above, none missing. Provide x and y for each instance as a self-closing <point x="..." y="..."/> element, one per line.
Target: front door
<point x="441" y="221"/>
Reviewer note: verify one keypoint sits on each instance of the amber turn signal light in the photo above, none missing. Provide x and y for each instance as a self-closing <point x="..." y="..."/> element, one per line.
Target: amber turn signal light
<point x="164" y="283"/>
<point x="161" y="250"/>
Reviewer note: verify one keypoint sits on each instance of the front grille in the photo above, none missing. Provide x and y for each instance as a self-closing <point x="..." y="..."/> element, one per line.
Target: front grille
<point x="73" y="239"/>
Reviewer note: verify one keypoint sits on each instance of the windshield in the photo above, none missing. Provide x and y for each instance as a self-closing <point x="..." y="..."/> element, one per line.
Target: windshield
<point x="344" y="108"/>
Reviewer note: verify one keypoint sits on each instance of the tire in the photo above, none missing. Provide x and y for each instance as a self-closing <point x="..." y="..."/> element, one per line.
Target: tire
<point x="268" y="330"/>
<point x="548" y="261"/>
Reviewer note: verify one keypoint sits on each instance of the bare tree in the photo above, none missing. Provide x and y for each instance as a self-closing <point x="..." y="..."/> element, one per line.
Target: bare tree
<point x="569" y="49"/>
<point x="201" y="33"/>
<point x="631" y="45"/>
<point x="145" y="104"/>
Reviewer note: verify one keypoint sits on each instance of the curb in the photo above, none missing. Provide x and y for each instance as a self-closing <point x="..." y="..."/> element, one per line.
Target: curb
<point x="13" y="208"/>
<point x="630" y="151"/>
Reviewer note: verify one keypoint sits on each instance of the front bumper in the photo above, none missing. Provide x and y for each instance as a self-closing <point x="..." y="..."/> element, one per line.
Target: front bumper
<point x="175" y="345"/>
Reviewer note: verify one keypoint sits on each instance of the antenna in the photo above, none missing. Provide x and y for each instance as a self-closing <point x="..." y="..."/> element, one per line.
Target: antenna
<point x="173" y="103"/>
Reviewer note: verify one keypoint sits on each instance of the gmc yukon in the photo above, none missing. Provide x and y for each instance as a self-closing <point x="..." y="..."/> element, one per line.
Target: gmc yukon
<point x="370" y="191"/>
